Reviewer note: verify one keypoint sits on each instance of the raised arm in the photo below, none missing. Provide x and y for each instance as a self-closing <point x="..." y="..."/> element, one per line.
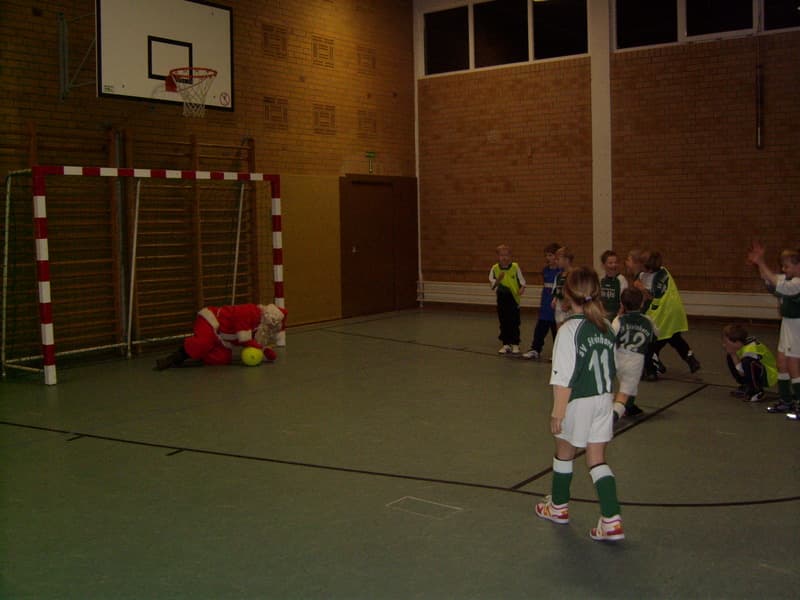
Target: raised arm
<point x="755" y="256"/>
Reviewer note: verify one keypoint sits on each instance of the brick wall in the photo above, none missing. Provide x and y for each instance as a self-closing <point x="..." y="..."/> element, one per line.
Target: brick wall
<point x="505" y="155"/>
<point x="687" y="175"/>
<point x="318" y="83"/>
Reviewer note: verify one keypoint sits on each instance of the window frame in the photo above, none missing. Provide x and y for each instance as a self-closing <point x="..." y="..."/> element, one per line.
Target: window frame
<point x="684" y="38"/>
<point x="423" y="7"/>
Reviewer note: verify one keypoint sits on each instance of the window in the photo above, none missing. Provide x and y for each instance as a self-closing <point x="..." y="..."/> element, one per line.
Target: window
<point x="501" y="32"/>
<point x="447" y="40"/>
<point x="780" y="14"/>
<point x="652" y="22"/>
<point x="560" y="28"/>
<point x="646" y="23"/>
<point x="504" y="31"/>
<point x="704" y="17"/>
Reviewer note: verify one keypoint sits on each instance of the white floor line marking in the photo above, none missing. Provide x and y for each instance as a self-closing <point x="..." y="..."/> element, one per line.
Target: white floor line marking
<point x="449" y="509"/>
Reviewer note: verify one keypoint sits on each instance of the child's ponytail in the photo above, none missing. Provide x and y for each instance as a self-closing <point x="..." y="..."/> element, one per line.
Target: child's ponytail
<point x="582" y="288"/>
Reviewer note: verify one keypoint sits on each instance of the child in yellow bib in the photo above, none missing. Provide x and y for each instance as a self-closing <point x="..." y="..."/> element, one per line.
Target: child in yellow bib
<point x="508" y="283"/>
<point x="750" y="362"/>
<point x="664" y="306"/>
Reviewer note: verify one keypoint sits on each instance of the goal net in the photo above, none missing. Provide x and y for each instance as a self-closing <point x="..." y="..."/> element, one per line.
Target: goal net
<point x="110" y="258"/>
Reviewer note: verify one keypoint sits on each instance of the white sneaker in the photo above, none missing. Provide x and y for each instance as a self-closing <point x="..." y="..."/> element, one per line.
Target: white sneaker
<point x="531" y="355"/>
<point x="506" y="349"/>
<point x="557" y="513"/>
<point x="514" y="349"/>
<point x="608" y="528"/>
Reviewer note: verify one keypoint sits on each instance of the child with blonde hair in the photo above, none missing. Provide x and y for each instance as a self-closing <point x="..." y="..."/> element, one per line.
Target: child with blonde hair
<point x="581" y="376"/>
<point x="787" y="288"/>
<point x="508" y="282"/>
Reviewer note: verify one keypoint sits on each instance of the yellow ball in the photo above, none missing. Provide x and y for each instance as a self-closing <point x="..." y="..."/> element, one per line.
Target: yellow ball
<point x="252" y="357"/>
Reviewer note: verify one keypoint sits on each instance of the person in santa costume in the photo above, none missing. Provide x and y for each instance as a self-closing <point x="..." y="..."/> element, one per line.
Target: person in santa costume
<point x="220" y="329"/>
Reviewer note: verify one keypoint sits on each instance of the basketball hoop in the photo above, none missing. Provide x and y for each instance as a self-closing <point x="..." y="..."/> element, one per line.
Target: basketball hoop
<point x="192" y="83"/>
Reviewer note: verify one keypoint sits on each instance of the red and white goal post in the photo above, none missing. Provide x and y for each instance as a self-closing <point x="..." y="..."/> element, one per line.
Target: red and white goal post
<point x="169" y="254"/>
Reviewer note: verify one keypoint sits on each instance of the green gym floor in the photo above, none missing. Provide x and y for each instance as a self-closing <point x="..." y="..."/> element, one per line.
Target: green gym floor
<point x="391" y="456"/>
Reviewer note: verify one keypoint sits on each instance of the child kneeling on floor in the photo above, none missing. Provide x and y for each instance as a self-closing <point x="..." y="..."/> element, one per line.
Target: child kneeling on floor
<point x="750" y="362"/>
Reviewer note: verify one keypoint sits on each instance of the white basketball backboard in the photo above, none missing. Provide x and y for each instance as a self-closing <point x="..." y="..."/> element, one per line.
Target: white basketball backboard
<point x="139" y="42"/>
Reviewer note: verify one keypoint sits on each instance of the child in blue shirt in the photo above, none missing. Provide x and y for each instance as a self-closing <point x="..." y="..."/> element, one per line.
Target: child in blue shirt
<point x="547" y="317"/>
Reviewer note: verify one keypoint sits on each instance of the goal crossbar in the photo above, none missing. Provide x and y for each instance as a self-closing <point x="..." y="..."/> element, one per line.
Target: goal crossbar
<point x="39" y="176"/>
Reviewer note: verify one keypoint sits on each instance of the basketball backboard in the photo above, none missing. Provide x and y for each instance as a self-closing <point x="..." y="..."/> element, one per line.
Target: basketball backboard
<point x="139" y="42"/>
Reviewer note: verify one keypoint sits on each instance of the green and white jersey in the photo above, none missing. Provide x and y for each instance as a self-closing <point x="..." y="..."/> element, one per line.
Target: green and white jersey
<point x="583" y="358"/>
<point x="610" y="291"/>
<point x="753" y="348"/>
<point x="788" y="292"/>
<point x="634" y="331"/>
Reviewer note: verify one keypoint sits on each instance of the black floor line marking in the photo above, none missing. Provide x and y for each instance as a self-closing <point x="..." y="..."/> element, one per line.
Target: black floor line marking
<point x="330" y="326"/>
<point x="636" y="423"/>
<point x="415" y="343"/>
<point x="468" y="484"/>
<point x="541" y="473"/>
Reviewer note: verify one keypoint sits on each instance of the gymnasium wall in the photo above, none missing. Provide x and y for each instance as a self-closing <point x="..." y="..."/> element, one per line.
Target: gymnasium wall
<point x="341" y="74"/>
<point x="505" y="156"/>
<point x="687" y="175"/>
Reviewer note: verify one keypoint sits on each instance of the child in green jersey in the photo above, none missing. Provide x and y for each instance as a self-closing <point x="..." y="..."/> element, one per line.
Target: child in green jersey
<point x="582" y="374"/>
<point x="612" y="285"/>
<point x="787" y="288"/>
<point x="635" y="333"/>
<point x="507" y="281"/>
<point x="750" y="362"/>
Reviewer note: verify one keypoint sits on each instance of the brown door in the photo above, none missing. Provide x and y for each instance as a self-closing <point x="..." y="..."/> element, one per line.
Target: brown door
<point x="378" y="244"/>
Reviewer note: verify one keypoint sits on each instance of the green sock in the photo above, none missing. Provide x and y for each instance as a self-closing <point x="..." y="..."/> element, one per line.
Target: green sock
<point x="630" y="402"/>
<point x="785" y="387"/>
<point x="606" y="486"/>
<point x="562" y="478"/>
<point x="796" y="389"/>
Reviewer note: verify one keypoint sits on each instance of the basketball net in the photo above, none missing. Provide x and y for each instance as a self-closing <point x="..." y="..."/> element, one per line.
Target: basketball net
<point x="192" y="83"/>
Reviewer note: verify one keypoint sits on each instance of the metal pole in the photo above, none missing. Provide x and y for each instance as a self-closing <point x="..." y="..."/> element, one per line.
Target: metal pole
<point x="5" y="270"/>
<point x="133" y="265"/>
<point x="236" y="252"/>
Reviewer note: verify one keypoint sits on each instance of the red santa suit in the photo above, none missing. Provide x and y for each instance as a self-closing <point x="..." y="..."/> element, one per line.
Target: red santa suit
<point x="217" y="330"/>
